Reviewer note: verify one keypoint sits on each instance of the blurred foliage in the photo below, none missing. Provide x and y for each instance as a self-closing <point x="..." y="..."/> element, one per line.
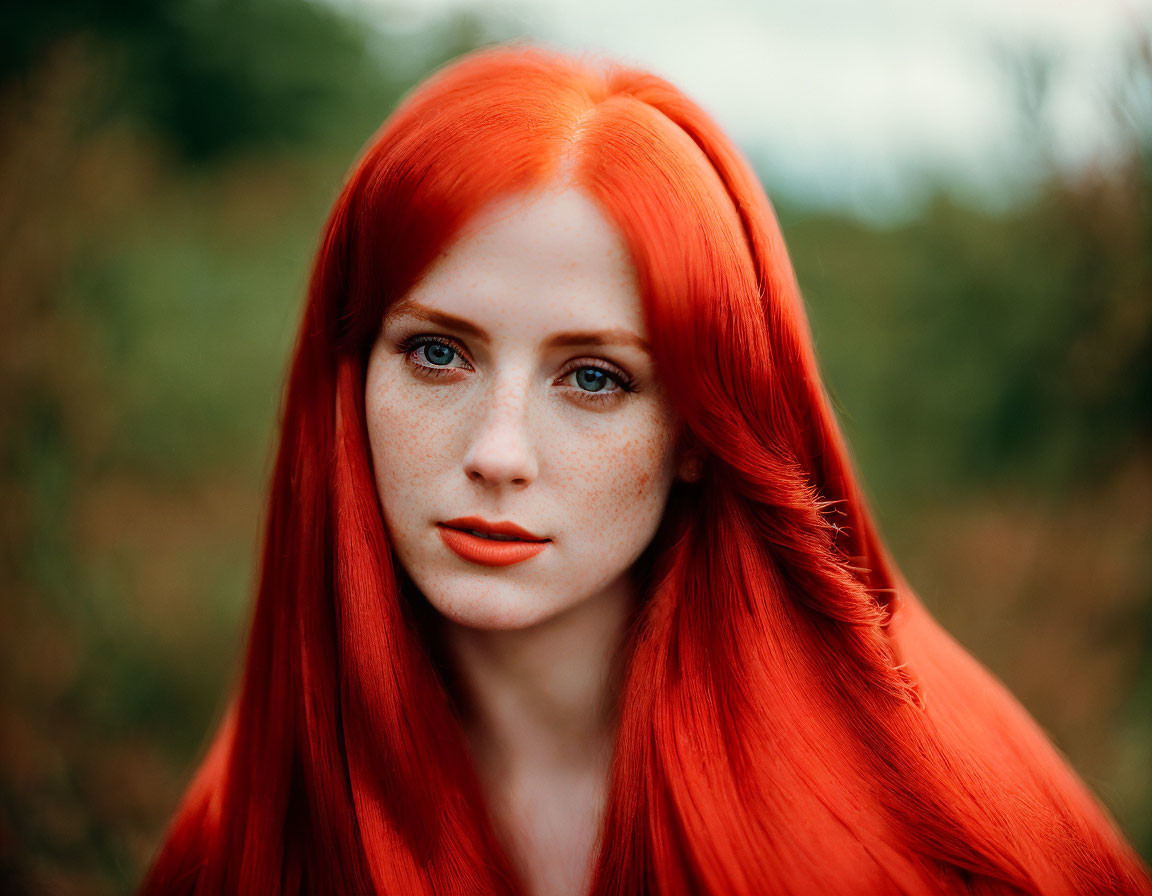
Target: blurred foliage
<point x="165" y="169"/>
<point x="211" y="76"/>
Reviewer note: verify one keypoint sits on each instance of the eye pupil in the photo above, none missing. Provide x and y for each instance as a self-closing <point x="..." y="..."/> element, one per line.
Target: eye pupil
<point x="591" y="378"/>
<point x="438" y="353"/>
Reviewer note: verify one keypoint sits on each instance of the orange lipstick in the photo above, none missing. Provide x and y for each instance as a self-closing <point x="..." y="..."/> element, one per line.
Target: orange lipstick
<point x="489" y="551"/>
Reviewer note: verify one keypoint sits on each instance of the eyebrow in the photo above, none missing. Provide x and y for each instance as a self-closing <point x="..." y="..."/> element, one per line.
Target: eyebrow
<point x="571" y="337"/>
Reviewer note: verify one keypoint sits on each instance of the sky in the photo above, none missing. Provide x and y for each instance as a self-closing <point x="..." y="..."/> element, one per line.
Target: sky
<point x="854" y="104"/>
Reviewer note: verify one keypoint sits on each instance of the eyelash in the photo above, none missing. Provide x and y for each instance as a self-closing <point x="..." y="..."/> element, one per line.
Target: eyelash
<point x="625" y="383"/>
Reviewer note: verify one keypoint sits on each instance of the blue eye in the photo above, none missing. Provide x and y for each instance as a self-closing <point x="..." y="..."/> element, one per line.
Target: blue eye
<point x="593" y="379"/>
<point x="599" y="385"/>
<point x="438" y="353"/>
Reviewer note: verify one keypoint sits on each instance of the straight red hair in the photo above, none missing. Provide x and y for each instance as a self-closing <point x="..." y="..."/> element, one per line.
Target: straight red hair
<point x="792" y="719"/>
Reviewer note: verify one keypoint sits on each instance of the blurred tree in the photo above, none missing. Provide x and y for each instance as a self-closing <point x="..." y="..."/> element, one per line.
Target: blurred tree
<point x="214" y="76"/>
<point x="1026" y="333"/>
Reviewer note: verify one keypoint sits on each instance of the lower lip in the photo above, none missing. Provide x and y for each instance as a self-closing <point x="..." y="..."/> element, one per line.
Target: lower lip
<point x="487" y="551"/>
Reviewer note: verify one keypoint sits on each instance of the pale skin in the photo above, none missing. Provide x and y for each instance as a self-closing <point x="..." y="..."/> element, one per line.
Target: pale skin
<point x="513" y="426"/>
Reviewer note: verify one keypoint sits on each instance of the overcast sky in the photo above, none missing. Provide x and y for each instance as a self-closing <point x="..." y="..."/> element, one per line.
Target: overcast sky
<point x="846" y="102"/>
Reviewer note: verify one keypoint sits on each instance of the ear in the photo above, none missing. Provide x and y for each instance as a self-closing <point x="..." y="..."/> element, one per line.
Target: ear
<point x="689" y="457"/>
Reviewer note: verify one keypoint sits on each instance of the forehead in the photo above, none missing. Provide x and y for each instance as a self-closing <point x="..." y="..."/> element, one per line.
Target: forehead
<point x="537" y="264"/>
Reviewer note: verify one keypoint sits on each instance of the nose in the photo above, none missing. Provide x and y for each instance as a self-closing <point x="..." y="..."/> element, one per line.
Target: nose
<point x="501" y="450"/>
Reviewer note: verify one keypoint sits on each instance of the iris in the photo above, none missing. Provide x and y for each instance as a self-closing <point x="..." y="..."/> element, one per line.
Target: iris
<point x="438" y="352"/>
<point x="593" y="378"/>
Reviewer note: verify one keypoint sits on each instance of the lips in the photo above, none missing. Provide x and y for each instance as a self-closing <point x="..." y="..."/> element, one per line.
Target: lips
<point x="482" y="527"/>
<point x="490" y="544"/>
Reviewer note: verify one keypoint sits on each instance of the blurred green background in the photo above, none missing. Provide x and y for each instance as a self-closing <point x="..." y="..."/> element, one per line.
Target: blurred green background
<point x="165" y="169"/>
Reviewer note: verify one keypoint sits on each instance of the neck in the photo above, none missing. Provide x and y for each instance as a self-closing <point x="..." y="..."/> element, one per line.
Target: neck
<point x="544" y="697"/>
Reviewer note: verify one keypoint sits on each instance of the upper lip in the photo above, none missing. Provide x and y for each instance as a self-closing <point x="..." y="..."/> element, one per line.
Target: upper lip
<point x="501" y="528"/>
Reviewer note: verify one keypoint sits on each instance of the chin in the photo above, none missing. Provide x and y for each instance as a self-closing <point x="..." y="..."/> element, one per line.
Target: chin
<point x="491" y="612"/>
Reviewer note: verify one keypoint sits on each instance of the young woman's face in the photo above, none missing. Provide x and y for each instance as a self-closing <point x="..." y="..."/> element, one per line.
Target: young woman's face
<point x="512" y="384"/>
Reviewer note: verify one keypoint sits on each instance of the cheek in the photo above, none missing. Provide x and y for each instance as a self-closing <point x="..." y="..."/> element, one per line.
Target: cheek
<point x="388" y="439"/>
<point x="404" y="437"/>
<point x="622" y="479"/>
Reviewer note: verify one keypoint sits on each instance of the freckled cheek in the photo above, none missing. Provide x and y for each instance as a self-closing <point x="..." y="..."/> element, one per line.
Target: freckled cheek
<point x="409" y="435"/>
<point x="621" y="476"/>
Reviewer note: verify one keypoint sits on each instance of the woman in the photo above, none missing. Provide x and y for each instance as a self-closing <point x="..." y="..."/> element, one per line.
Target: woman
<point x="567" y="584"/>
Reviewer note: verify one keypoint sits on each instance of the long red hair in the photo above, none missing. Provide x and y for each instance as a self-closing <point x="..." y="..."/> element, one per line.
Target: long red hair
<point x="791" y="718"/>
